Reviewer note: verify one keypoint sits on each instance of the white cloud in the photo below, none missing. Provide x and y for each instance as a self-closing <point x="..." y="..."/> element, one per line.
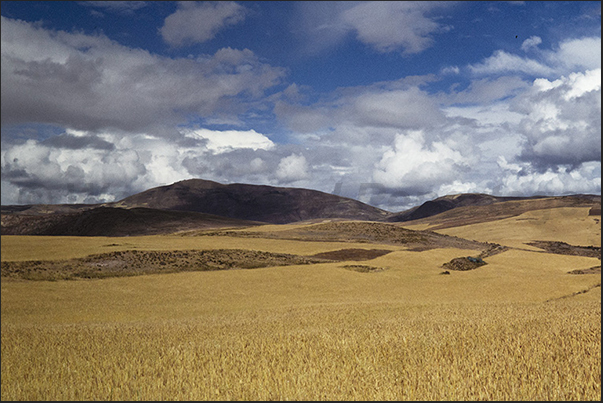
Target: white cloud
<point x="561" y="120"/>
<point x="411" y="108"/>
<point x="450" y="70"/>
<point x="398" y="108"/>
<point x="503" y="62"/>
<point x="384" y="25"/>
<point x="416" y="166"/>
<point x="199" y="22"/>
<point x="227" y="140"/>
<point x="521" y="179"/>
<point x="582" y="53"/>
<point x="292" y="168"/>
<point x="531" y="42"/>
<point x="58" y="175"/>
<point x="581" y="83"/>
<point x="92" y="83"/>
<point x="390" y="26"/>
<point x="570" y="56"/>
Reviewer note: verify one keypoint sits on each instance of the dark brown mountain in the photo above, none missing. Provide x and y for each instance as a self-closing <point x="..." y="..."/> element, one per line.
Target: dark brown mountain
<point x="200" y="204"/>
<point x="464" y="209"/>
<point x="109" y="221"/>
<point x="445" y="203"/>
<point x="275" y="205"/>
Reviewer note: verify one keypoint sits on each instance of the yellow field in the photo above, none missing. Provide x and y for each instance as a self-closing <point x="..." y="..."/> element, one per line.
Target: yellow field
<point x="518" y="328"/>
<point x="568" y="224"/>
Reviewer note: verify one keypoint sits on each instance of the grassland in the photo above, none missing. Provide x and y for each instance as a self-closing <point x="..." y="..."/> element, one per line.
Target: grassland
<point x="517" y="328"/>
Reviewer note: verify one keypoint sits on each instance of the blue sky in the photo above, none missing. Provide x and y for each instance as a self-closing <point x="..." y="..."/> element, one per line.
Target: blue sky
<point x="391" y="103"/>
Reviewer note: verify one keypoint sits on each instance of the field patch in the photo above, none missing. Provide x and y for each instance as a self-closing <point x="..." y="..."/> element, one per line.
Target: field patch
<point x="361" y="268"/>
<point x="352" y="254"/>
<point x="464" y="263"/>
<point x="564" y="248"/>
<point x="137" y="262"/>
<point x="359" y="232"/>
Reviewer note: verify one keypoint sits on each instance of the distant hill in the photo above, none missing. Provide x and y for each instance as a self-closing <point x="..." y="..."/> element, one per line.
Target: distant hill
<point x="464" y="209"/>
<point x="445" y="203"/>
<point x="201" y="204"/>
<point x="111" y="221"/>
<point x="275" y="205"/>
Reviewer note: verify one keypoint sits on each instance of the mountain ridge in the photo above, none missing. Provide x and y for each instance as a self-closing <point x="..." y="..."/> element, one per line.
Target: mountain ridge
<point x="203" y="204"/>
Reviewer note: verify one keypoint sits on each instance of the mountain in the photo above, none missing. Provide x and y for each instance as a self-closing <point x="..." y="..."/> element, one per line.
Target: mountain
<point x="109" y="221"/>
<point x="275" y="205"/>
<point x="449" y="202"/>
<point x="202" y="204"/>
<point x="464" y="209"/>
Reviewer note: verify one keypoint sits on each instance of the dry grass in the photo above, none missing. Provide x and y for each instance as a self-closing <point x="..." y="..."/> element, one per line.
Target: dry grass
<point x="21" y="248"/>
<point x="572" y="225"/>
<point x="137" y="262"/>
<point x="340" y="352"/>
<point x="518" y="328"/>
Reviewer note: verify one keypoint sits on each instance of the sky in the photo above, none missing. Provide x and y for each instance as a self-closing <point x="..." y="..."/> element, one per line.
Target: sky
<point x="390" y="103"/>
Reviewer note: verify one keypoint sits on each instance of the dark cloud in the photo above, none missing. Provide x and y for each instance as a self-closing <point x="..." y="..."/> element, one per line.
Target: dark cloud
<point x="92" y="83"/>
<point x="78" y="142"/>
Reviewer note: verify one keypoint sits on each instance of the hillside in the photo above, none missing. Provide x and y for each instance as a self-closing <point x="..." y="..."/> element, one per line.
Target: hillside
<point x="111" y="221"/>
<point x="275" y="205"/>
<point x="198" y="204"/>
<point x="464" y="209"/>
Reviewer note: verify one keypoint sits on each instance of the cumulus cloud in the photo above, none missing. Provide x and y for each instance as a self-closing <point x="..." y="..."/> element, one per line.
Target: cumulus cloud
<point x="47" y="174"/>
<point x="223" y="141"/>
<point x="569" y="56"/>
<point x="531" y="42"/>
<point x="389" y="26"/>
<point x="407" y="27"/>
<point x="503" y="62"/>
<point x="414" y="166"/>
<point x="580" y="53"/>
<point x="199" y="22"/>
<point x="79" y="166"/>
<point x="521" y="125"/>
<point x="92" y="83"/>
<point x="372" y="106"/>
<point x="292" y="168"/>
<point x="562" y="120"/>
<point x="521" y="179"/>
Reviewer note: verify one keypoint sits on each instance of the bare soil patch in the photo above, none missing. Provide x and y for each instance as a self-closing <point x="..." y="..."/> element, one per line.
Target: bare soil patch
<point x="362" y="232"/>
<point x="363" y="268"/>
<point x="464" y="263"/>
<point x="563" y="248"/>
<point x="592" y="270"/>
<point x="352" y="254"/>
<point x="135" y="262"/>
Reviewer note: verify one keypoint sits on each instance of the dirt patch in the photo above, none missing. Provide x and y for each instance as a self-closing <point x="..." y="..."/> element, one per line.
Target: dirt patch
<point x="352" y="254"/>
<point x="136" y="262"/>
<point x="464" y="263"/>
<point x="563" y="248"/>
<point x="592" y="270"/>
<point x="362" y="232"/>
<point x="363" y="268"/>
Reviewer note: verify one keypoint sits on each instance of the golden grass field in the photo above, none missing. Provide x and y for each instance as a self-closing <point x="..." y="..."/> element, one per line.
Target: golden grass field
<point x="518" y="328"/>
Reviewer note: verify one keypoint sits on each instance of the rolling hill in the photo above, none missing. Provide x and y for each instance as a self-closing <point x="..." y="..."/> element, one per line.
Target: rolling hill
<point x="275" y="205"/>
<point x="198" y="204"/>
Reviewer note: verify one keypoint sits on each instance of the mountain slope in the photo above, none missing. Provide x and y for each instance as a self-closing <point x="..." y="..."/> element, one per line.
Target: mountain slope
<point x="485" y="208"/>
<point x="449" y="202"/>
<point x="275" y="205"/>
<point x="112" y="221"/>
